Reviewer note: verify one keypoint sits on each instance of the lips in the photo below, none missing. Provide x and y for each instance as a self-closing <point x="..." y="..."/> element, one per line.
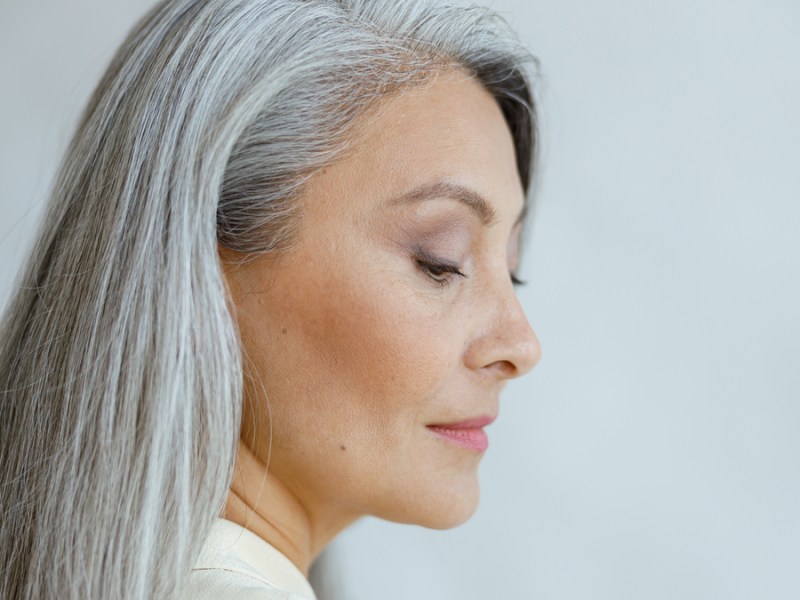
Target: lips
<point x="467" y="434"/>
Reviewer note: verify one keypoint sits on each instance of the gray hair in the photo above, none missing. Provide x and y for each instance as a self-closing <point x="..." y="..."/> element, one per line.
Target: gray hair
<point x="121" y="374"/>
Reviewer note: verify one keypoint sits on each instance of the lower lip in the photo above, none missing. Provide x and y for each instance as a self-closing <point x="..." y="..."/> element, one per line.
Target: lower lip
<point x="474" y="439"/>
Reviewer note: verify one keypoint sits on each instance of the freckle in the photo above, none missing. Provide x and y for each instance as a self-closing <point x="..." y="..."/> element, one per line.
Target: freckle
<point x="343" y="448"/>
<point x="283" y="331"/>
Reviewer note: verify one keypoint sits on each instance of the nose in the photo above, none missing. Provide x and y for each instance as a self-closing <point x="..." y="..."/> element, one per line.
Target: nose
<point x="506" y="345"/>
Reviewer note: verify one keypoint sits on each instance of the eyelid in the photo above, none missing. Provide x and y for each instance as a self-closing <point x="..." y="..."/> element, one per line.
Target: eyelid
<point x="444" y="268"/>
<point x="438" y="269"/>
<point x="430" y="262"/>
<point x="433" y="259"/>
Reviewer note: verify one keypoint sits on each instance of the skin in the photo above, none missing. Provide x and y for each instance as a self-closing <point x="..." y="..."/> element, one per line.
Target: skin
<point x="358" y="337"/>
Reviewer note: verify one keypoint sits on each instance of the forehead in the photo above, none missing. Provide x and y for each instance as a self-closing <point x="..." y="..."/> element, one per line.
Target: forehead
<point x="449" y="129"/>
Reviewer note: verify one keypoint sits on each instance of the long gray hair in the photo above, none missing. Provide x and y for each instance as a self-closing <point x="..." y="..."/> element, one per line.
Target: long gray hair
<point x="121" y="374"/>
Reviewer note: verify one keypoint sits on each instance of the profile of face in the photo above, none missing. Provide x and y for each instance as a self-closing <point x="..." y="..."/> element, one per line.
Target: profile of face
<point x="394" y="312"/>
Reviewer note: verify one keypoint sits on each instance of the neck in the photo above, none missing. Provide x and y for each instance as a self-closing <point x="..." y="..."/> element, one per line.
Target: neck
<point x="260" y="502"/>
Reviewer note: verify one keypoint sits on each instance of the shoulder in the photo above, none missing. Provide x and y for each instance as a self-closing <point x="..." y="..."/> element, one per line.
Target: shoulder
<point x="236" y="564"/>
<point x="223" y="584"/>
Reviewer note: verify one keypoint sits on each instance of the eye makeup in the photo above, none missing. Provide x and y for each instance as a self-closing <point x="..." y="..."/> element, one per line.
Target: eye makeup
<point x="439" y="236"/>
<point x="439" y="247"/>
<point x="441" y="271"/>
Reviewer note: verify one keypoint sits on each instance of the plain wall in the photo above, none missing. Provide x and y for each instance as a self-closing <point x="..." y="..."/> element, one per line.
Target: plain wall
<point x="653" y="453"/>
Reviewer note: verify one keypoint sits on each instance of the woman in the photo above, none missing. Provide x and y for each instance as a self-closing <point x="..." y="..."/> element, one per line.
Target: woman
<point x="272" y="294"/>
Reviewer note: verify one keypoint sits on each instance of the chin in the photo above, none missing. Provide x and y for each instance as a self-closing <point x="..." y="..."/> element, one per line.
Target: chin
<point x="452" y="518"/>
<point x="436" y="507"/>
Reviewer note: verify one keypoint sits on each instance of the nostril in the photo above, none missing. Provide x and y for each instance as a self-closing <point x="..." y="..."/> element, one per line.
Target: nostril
<point x="505" y="368"/>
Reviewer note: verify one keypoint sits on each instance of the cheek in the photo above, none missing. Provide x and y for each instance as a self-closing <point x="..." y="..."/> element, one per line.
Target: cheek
<point x="356" y="363"/>
<point x="375" y="350"/>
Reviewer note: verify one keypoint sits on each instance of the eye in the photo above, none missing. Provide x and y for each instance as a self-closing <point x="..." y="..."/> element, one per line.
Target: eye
<point x="517" y="281"/>
<point x="440" y="271"/>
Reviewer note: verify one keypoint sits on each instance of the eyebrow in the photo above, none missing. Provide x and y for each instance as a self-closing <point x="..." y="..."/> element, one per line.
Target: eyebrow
<point x="447" y="189"/>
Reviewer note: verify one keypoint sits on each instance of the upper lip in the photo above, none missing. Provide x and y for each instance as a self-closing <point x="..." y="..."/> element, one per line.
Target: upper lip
<point x="473" y="423"/>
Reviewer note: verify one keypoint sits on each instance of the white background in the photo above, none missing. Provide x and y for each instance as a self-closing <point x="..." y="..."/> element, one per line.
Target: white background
<point x="653" y="454"/>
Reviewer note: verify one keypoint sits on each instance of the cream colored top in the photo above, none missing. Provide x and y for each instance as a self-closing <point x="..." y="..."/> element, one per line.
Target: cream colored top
<point x="237" y="564"/>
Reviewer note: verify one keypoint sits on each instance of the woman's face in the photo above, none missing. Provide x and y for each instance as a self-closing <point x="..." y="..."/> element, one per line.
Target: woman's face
<point x="394" y="311"/>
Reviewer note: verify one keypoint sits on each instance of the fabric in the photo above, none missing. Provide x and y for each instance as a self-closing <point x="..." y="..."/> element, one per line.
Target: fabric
<point x="237" y="564"/>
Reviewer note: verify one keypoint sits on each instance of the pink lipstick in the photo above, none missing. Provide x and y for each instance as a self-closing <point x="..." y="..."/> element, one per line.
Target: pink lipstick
<point x="467" y="434"/>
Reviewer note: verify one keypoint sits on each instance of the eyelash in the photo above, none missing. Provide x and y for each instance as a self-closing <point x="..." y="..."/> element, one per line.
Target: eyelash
<point x="517" y="281"/>
<point x="442" y="273"/>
